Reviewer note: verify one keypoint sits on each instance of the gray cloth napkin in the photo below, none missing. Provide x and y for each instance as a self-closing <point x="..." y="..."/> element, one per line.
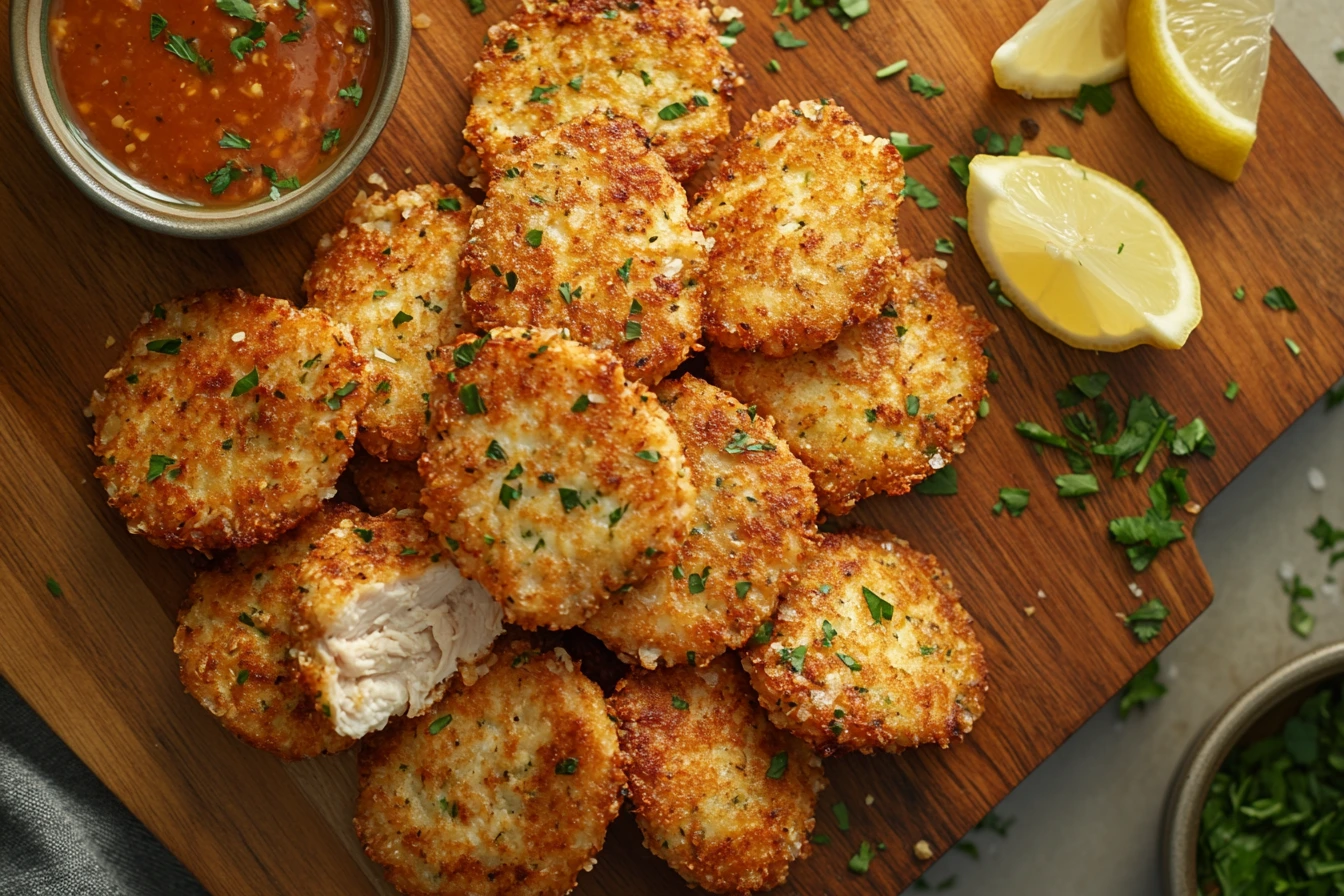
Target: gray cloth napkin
<point x="62" y="833"/>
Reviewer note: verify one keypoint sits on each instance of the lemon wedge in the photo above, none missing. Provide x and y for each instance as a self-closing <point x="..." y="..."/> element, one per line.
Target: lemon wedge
<point x="1067" y="44"/>
<point x="1198" y="69"/>
<point x="1082" y="255"/>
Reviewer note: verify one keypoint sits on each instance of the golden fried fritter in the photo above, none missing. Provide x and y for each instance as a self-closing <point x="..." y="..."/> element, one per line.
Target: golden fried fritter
<point x="722" y="796"/>
<point x="588" y="231"/>
<point x="656" y="61"/>
<point x="227" y="420"/>
<point x="391" y="273"/>
<point x="386" y="485"/>
<point x="233" y="644"/>
<point x="504" y="788"/>
<point x="754" y="516"/>
<point x="803" y="214"/>
<point x="870" y="650"/>
<point x="884" y="406"/>
<point x="554" y="479"/>
<point x="385" y="620"/>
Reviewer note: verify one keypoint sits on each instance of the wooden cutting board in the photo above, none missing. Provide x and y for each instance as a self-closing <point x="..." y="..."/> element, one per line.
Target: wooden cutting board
<point x="97" y="663"/>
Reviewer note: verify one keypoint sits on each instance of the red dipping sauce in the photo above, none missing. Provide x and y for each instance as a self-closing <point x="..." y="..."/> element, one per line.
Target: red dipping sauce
<point x="215" y="102"/>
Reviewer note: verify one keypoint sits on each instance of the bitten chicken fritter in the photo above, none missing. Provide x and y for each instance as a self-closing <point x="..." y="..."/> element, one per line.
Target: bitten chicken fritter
<point x="227" y="420"/>
<point x="870" y="650"/>
<point x="723" y="796"/>
<point x="754" y="517"/>
<point x="234" y="639"/>
<point x="554" y="480"/>
<point x="656" y="61"/>
<point x="586" y="230"/>
<point x="802" y="214"/>
<point x="385" y="620"/>
<point x="884" y="406"/>
<point x="386" y="485"/>
<point x="504" y="788"/>
<point x="391" y="273"/>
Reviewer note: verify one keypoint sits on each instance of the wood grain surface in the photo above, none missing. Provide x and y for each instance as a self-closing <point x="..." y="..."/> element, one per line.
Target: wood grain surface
<point x="97" y="663"/>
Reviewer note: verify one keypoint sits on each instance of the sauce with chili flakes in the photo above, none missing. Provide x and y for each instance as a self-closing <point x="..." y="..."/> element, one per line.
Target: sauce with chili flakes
<point x="215" y="101"/>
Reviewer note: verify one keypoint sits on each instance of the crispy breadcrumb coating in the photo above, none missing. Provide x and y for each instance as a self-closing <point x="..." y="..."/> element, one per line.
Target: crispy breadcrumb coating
<point x="657" y="61"/>
<point x="870" y="650"/>
<point x="754" y="517"/>
<point x="386" y="485"/>
<point x="554" y="479"/>
<point x="802" y="214"/>
<point x="589" y="232"/>
<point x="227" y="420"/>
<point x="721" y="795"/>
<point x="884" y="406"/>
<point x="504" y="788"/>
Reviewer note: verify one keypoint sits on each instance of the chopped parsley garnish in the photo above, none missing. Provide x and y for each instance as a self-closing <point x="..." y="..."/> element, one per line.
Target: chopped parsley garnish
<point x="243" y="676"/>
<point x="230" y="140"/>
<point x="1013" y="500"/>
<point x="569" y="499"/>
<point x="331" y="138"/>
<point x="785" y="40"/>
<point x="365" y="535"/>
<point x="156" y="25"/>
<point x="533" y="238"/>
<point x="878" y="608"/>
<point x="360" y="34"/>
<point x="905" y="148"/>
<point x="580" y="404"/>
<point x="354" y="93"/>
<point x="1279" y="299"/>
<point x="1232" y="390"/>
<point x="509" y="493"/>
<point x="649" y="455"/>
<point x="793" y="657"/>
<point x="246" y="383"/>
<point x="243" y="44"/>
<point x="942" y="482"/>
<point x="449" y="204"/>
<point x="961" y="167"/>
<point x="334" y="402"/>
<point x="401" y="318"/>
<point x="1060" y="151"/>
<point x="624" y="270"/>
<point x="221" y="177"/>
<point x="763" y="633"/>
<point x="859" y="862"/>
<point x="741" y="442"/>
<point x="54" y="587"/>
<point x="567" y="766"/>
<point x="1099" y="97"/>
<point x="290" y="37"/>
<point x="870" y="414"/>
<point x="470" y="396"/>
<point x="239" y="9"/>
<point x="576" y="82"/>
<point x="924" y="87"/>
<point x="510" y="281"/>
<point x="278" y="183"/>
<point x="772" y="66"/>
<point x="912" y="405"/>
<point x="678" y="703"/>
<point x="943" y="246"/>
<point x="633" y="330"/>
<point x="1299" y="620"/>
<point x="1239" y="293"/>
<point x="841" y="813"/>
<point x="1142" y="688"/>
<point x="1077" y="485"/>
<point x="849" y="661"/>
<point x="695" y="582"/>
<point x="465" y="353"/>
<point x="1292" y="346"/>
<point x="541" y="94"/>
<point x="742" y="588"/>
<point x="164" y="346"/>
<point x="569" y="294"/>
<point x="672" y="111"/>
<point x="895" y="68"/>
<point x="1146" y="535"/>
<point x="510" y="45"/>
<point x="779" y="764"/>
<point x="185" y="48"/>
<point x="922" y="195"/>
<point x="1146" y="621"/>
<point x="440" y="723"/>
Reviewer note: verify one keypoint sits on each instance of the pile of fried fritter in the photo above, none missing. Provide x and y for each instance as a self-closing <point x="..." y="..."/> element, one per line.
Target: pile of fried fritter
<point x="531" y="462"/>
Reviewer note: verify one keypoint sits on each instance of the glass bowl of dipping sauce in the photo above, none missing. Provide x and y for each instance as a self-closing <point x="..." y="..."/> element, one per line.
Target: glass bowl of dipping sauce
<point x="209" y="118"/>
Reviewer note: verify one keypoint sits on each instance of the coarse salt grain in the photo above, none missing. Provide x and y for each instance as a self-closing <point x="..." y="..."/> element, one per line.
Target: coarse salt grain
<point x="1286" y="571"/>
<point x="1316" y="479"/>
<point x="937" y="461"/>
<point x="239" y="336"/>
<point x="421" y="21"/>
<point x="869" y="800"/>
<point x="1135" y="590"/>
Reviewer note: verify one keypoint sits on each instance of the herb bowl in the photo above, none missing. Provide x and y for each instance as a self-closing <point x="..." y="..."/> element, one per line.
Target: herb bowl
<point x="1263" y="708"/>
<point x="116" y="192"/>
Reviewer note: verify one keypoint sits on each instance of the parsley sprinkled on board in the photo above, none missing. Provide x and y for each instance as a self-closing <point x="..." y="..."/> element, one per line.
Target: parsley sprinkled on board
<point x="942" y="482"/>
<point x="772" y="66"/>
<point x="785" y="40"/>
<point x="859" y="862"/>
<point x="54" y="587"/>
<point x="1279" y="299"/>
<point x="1077" y="485"/>
<point x="1060" y="151"/>
<point x="841" y="813"/>
<point x="1146" y="621"/>
<point x="923" y="196"/>
<point x="1232" y="390"/>
<point x="1013" y="500"/>
<point x="943" y="246"/>
<point x="1292" y="346"/>
<point x="1239" y="293"/>
<point x="895" y="68"/>
<point x="908" y="150"/>
<point x="779" y="764"/>
<point x="961" y="167"/>
<point x="924" y="87"/>
<point x="1142" y="689"/>
<point x="1099" y="97"/>
<point x="1146" y="535"/>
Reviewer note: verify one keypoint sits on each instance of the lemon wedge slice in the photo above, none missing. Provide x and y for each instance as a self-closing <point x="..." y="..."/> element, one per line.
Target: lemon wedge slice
<point x="1198" y="69"/>
<point x="1067" y="44"/>
<point x="1082" y="255"/>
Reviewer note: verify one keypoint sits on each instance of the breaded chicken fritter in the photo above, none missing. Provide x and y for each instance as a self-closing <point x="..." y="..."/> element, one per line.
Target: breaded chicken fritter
<point x="885" y="405"/>
<point x="554" y="479"/>
<point x="754" y="516"/>
<point x="504" y="788"/>
<point x="227" y="420"/>
<point x="723" y="796"/>
<point x="656" y="61"/>
<point x="234" y="639"/>
<point x="589" y="232"/>
<point x="870" y="650"/>
<point x="391" y="273"/>
<point x="803" y="215"/>
<point x="385" y="620"/>
<point x="386" y="485"/>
